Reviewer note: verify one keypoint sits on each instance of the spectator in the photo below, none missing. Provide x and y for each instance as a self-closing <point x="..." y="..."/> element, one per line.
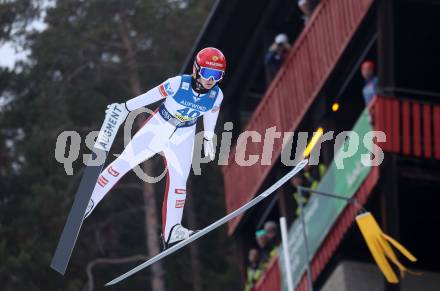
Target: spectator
<point x="314" y="174"/>
<point x="310" y="178"/>
<point x="263" y="245"/>
<point x="371" y="81"/>
<point x="272" y="233"/>
<point x="307" y="7"/>
<point x="275" y="56"/>
<point x="253" y="271"/>
<point x="297" y="181"/>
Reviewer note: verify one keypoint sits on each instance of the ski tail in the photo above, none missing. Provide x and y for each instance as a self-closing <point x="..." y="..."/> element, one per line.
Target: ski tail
<point x="93" y="168"/>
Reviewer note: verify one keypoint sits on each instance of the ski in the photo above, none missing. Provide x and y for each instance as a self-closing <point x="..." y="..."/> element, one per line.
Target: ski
<point x="214" y="225"/>
<point x="91" y="173"/>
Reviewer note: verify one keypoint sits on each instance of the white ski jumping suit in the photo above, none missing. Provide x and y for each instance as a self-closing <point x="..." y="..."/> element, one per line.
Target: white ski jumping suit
<point x="171" y="130"/>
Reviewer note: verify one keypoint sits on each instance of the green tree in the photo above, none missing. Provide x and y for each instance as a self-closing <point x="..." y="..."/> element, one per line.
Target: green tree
<point x="94" y="53"/>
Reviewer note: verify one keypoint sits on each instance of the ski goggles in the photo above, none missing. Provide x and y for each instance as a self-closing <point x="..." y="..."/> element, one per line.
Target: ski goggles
<point x="208" y="73"/>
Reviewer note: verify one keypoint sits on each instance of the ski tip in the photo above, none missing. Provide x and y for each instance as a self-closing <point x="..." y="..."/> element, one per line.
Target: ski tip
<point x="116" y="280"/>
<point x="112" y="282"/>
<point x="301" y="164"/>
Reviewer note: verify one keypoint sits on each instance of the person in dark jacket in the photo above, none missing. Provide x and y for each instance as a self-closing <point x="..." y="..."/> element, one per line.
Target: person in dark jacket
<point x="276" y="55"/>
<point x="371" y="81"/>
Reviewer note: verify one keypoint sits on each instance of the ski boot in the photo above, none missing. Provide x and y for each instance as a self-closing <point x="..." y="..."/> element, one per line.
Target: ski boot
<point x="177" y="234"/>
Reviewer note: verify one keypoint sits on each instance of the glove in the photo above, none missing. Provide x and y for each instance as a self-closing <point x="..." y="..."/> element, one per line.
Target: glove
<point x="118" y="108"/>
<point x="208" y="148"/>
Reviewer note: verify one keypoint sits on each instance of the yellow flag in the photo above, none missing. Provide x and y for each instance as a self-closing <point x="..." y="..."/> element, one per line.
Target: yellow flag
<point x="380" y="248"/>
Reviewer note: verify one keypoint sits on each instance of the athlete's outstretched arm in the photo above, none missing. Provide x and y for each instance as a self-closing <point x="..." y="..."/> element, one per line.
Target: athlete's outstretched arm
<point x="167" y="88"/>
<point x="210" y="118"/>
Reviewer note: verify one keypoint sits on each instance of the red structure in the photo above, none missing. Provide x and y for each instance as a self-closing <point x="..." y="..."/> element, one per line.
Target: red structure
<point x="307" y="67"/>
<point x="412" y="127"/>
<point x="272" y="277"/>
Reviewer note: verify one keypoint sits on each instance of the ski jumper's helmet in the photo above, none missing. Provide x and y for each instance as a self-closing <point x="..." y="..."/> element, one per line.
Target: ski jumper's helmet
<point x="210" y="63"/>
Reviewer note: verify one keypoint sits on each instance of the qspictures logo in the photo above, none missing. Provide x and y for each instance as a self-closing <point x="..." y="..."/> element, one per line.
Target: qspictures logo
<point x="251" y="147"/>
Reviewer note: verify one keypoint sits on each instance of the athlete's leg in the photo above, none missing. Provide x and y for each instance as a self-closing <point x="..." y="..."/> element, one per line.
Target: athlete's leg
<point x="144" y="144"/>
<point x="178" y="157"/>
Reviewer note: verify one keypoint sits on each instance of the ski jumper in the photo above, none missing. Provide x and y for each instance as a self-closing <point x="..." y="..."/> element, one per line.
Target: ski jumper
<point x="171" y="130"/>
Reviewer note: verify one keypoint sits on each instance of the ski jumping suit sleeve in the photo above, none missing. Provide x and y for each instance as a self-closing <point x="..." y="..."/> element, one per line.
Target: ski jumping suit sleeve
<point x="146" y="99"/>
<point x="210" y="118"/>
<point x="170" y="130"/>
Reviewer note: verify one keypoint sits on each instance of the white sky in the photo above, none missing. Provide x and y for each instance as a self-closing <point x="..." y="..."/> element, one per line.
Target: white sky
<point x="9" y="55"/>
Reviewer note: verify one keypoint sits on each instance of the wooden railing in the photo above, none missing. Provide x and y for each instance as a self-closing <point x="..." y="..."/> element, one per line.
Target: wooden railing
<point x="307" y="67"/>
<point x="411" y="126"/>
<point x="271" y="277"/>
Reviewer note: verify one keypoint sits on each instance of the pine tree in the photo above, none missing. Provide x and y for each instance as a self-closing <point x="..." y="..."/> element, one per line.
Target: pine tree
<point x="93" y="53"/>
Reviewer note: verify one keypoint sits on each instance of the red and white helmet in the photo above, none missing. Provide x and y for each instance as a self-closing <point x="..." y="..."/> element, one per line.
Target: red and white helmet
<point x="210" y="63"/>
